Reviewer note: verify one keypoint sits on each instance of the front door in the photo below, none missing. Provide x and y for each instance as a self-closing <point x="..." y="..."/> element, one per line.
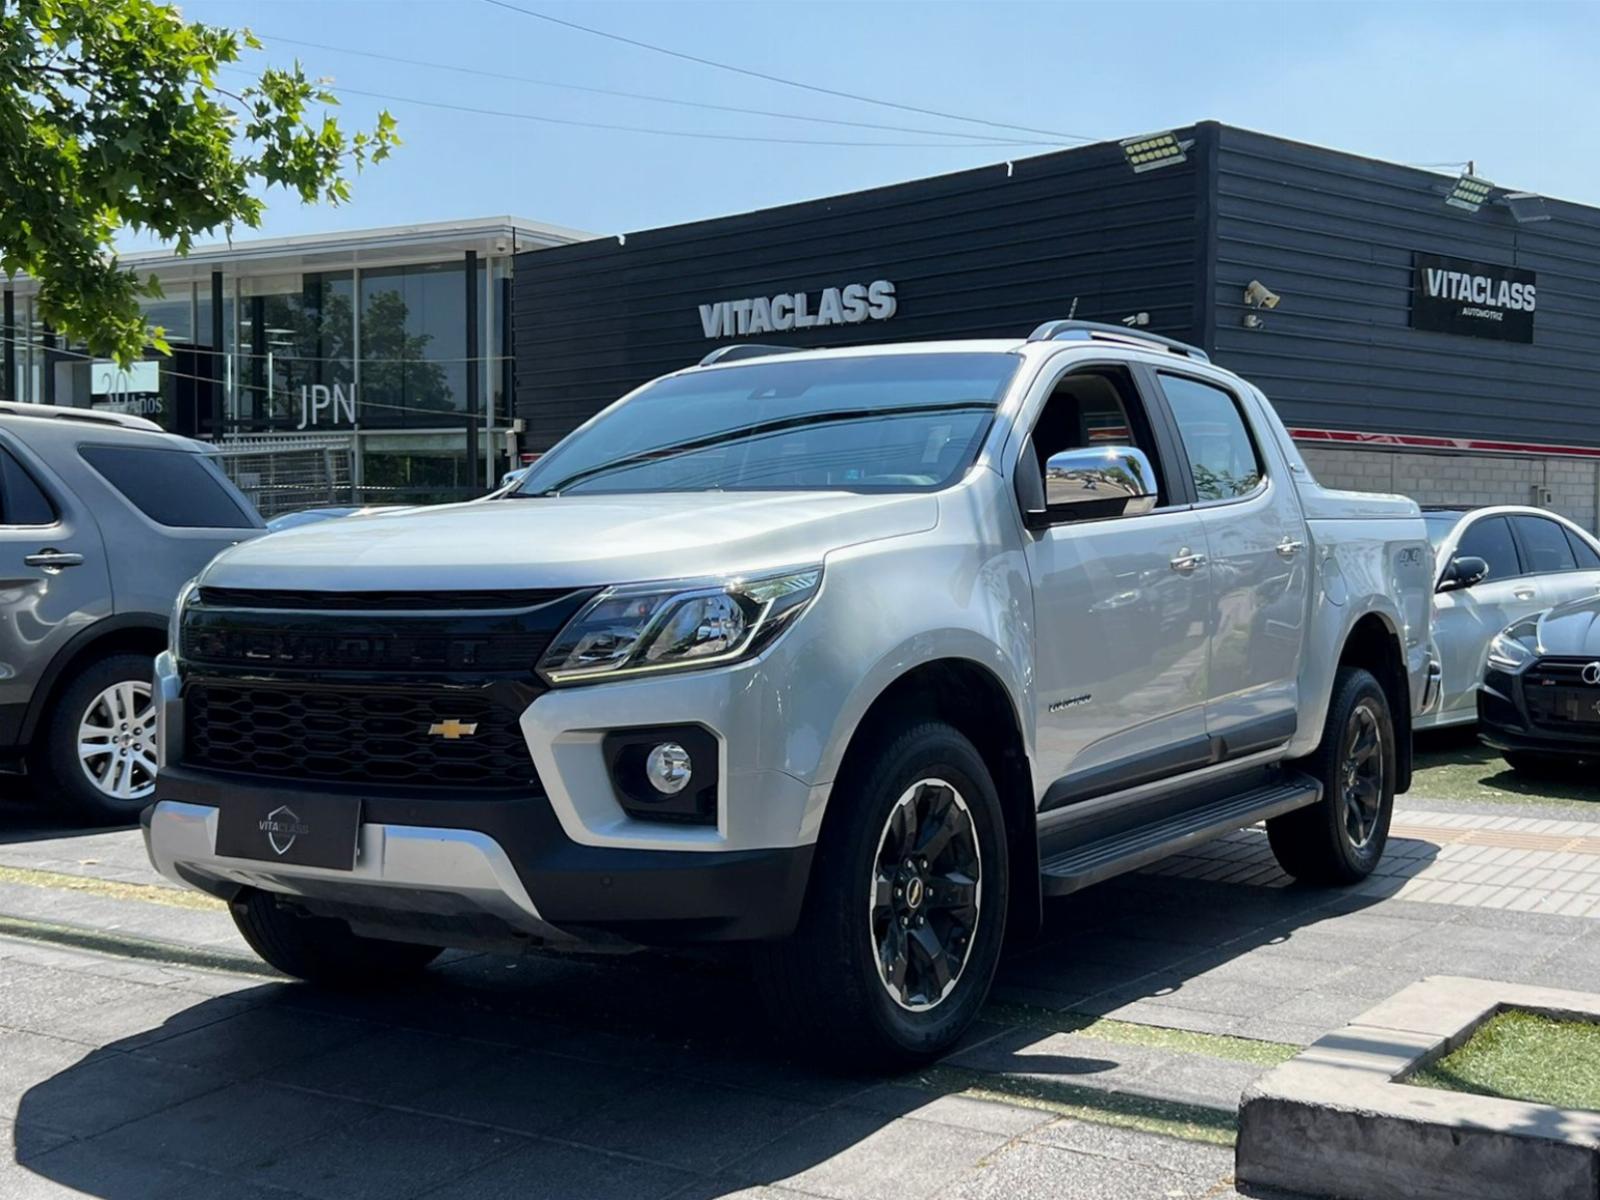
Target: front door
<point x="53" y="578"/>
<point x="1122" y="607"/>
<point x="1465" y="620"/>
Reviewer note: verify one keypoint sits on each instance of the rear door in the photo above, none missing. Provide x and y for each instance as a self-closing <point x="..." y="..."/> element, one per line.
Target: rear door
<point x="1466" y="619"/>
<point x="1256" y="542"/>
<point x="53" y="576"/>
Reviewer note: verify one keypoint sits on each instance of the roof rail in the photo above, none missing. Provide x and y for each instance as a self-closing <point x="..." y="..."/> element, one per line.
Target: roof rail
<point x="1052" y="331"/>
<point x="741" y="350"/>
<point x="87" y="415"/>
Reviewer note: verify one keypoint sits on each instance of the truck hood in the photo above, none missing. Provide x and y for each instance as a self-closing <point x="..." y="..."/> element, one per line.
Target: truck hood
<point x="1571" y="630"/>
<point x="569" y="541"/>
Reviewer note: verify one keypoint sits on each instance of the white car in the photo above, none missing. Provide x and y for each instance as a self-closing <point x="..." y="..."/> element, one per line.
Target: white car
<point x="1531" y="560"/>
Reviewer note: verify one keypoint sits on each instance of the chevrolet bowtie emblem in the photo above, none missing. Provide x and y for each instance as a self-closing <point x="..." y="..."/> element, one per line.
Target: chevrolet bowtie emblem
<point x="453" y="730"/>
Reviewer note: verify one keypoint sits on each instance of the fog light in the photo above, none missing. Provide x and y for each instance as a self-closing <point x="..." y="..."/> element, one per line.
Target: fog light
<point x="668" y="768"/>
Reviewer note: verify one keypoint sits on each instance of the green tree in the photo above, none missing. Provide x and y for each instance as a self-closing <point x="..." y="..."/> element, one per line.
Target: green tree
<point x="113" y="117"/>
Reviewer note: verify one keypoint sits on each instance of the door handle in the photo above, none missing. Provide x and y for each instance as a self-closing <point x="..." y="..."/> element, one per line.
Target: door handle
<point x="1187" y="561"/>
<point x="54" y="560"/>
<point x="1288" y="548"/>
<point x="1523" y="593"/>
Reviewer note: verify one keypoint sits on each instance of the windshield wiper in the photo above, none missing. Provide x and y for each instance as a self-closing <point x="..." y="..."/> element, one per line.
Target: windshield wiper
<point x="760" y="429"/>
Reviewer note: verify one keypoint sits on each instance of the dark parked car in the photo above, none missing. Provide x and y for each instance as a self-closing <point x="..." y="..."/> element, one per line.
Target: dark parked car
<point x="103" y="519"/>
<point x="1540" y="698"/>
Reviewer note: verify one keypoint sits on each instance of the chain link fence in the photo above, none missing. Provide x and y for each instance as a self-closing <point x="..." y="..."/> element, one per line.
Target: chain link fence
<point x="282" y="474"/>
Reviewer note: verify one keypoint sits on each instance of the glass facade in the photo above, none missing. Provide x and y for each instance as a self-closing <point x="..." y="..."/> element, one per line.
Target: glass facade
<point x="375" y="356"/>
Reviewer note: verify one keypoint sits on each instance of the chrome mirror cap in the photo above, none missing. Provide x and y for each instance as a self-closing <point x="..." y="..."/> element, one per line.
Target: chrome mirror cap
<point x="1101" y="476"/>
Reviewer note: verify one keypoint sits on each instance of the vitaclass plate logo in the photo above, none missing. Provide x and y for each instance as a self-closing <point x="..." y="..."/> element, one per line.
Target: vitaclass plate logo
<point x="282" y="826"/>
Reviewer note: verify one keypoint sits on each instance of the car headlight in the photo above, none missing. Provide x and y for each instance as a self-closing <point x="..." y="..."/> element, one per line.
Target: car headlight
<point x="175" y="622"/>
<point x="1508" y="651"/>
<point x="642" y="628"/>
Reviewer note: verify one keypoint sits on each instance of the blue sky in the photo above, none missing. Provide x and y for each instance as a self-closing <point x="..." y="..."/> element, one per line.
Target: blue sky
<point x="1511" y="85"/>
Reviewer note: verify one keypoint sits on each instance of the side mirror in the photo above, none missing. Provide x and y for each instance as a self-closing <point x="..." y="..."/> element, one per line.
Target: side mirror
<point x="1464" y="571"/>
<point x="1096" y="481"/>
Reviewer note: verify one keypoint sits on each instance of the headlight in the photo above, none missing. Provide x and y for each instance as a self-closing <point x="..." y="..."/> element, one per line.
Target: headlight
<point x="175" y="622"/>
<point x="1507" y="652"/>
<point x="673" y="626"/>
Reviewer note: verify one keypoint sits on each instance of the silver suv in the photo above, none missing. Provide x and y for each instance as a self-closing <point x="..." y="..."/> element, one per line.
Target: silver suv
<point x="103" y="518"/>
<point x="855" y="654"/>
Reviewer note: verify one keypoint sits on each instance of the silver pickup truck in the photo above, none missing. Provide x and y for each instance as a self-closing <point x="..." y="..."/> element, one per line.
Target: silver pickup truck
<point x="855" y="655"/>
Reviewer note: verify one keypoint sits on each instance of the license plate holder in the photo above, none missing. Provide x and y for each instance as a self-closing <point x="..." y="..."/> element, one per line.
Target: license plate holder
<point x="303" y="830"/>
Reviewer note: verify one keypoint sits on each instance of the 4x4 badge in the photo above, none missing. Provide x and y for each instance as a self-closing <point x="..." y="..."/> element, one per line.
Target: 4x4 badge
<point x="1591" y="674"/>
<point x="282" y="825"/>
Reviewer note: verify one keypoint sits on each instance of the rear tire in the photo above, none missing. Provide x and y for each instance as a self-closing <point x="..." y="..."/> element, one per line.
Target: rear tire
<point x="1340" y="839"/>
<point x="911" y="873"/>
<point x="96" y="744"/>
<point x="322" y="950"/>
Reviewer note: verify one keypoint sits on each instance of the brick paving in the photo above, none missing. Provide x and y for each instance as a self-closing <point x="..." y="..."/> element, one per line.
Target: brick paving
<point x="1524" y="864"/>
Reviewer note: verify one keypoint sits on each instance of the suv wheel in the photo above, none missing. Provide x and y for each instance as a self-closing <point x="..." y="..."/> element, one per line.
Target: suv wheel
<point x="1341" y="838"/>
<point x="320" y="949"/>
<point x="98" y="742"/>
<point x="905" y="910"/>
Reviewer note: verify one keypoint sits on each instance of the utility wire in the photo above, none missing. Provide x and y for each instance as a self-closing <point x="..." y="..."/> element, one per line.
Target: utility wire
<point x="600" y="91"/>
<point x="794" y="83"/>
<point x="682" y="133"/>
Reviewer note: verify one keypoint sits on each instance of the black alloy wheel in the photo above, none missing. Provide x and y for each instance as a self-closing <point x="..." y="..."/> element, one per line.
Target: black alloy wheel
<point x="926" y="896"/>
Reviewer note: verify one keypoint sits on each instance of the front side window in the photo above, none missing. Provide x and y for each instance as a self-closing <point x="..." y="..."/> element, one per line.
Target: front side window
<point x="884" y="423"/>
<point x="1095" y="407"/>
<point x="176" y="488"/>
<point x="1546" y="545"/>
<point x="1490" y="540"/>
<point x="1222" y="458"/>
<point x="22" y="501"/>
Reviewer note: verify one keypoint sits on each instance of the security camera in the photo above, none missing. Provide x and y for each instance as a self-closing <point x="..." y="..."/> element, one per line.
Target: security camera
<point x="1258" y="295"/>
<point x="501" y="246"/>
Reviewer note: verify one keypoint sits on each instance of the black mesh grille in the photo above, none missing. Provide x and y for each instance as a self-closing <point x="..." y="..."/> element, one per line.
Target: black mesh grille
<point x="352" y="735"/>
<point x="1558" y="698"/>
<point x="308" y="601"/>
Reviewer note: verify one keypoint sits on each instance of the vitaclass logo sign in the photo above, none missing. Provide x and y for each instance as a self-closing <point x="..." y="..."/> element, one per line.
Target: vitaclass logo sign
<point x="852" y="304"/>
<point x="1456" y="295"/>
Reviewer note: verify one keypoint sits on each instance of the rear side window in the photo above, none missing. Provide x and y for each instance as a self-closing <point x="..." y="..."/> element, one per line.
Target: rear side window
<point x="22" y="501"/>
<point x="1588" y="560"/>
<point x="171" y="487"/>
<point x="1546" y="545"/>
<point x="1222" y="458"/>
<point x="1490" y="540"/>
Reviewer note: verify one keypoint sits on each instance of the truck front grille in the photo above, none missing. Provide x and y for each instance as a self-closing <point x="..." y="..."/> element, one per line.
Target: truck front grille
<point x="429" y="737"/>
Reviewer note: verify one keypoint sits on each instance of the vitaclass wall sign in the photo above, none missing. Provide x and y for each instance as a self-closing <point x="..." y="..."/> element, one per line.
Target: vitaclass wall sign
<point x="848" y="305"/>
<point x="1456" y="295"/>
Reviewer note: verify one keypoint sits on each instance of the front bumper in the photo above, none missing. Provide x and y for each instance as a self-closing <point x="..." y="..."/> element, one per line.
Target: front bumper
<point x="493" y="871"/>
<point x="1504" y="723"/>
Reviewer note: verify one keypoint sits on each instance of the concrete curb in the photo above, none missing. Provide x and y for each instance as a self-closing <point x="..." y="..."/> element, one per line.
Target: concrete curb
<point x="1334" y="1121"/>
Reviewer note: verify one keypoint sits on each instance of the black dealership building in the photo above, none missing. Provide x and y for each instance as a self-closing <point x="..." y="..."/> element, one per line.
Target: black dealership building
<point x="1419" y="333"/>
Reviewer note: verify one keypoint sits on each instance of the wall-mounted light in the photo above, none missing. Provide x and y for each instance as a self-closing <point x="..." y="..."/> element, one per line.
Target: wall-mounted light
<point x="1469" y="192"/>
<point x="1525" y="207"/>
<point x="1154" y="150"/>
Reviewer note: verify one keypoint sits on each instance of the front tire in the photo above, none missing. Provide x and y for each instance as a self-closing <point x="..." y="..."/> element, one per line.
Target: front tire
<point x="905" y="911"/>
<point x="1340" y="839"/>
<point x="322" y="950"/>
<point x="97" y="748"/>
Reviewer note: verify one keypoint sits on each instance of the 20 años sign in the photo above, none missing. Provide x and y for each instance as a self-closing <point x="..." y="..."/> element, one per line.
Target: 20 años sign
<point x="1455" y="295"/>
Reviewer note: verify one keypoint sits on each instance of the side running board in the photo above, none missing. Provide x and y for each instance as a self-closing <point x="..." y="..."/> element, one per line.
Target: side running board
<point x="1083" y="865"/>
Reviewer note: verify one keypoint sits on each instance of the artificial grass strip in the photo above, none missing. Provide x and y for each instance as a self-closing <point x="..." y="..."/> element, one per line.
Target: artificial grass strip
<point x="1524" y="1055"/>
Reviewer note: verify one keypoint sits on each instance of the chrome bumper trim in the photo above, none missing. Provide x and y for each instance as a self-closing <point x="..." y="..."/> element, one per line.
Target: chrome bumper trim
<point x="419" y="869"/>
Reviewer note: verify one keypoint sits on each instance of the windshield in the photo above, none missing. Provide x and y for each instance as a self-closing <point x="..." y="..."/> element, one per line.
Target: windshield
<point x="902" y="422"/>
<point x="1439" y="525"/>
